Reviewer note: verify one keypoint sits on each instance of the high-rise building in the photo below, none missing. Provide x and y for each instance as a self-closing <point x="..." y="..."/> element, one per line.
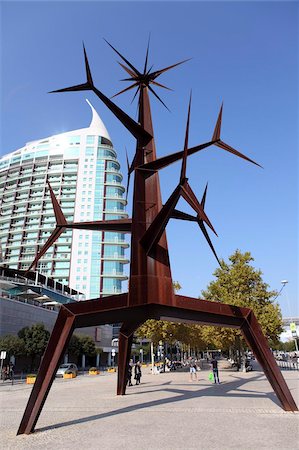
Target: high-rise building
<point x="84" y="173"/>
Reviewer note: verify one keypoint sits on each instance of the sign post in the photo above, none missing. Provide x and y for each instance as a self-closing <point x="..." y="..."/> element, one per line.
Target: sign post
<point x="293" y="329"/>
<point x="2" y="357"/>
<point x="113" y="356"/>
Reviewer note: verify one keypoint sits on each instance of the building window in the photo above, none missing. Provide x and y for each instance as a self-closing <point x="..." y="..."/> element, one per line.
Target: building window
<point x="90" y="139"/>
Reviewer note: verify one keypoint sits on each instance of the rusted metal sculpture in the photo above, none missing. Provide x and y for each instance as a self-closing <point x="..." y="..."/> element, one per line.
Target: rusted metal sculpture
<point x="151" y="294"/>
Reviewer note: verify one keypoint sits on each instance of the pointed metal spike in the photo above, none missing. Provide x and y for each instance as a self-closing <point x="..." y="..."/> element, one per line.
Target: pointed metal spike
<point x="87" y="68"/>
<point x="120" y="225"/>
<point x="205" y="233"/>
<point x="149" y="70"/>
<point x="165" y="161"/>
<point x="217" y="130"/>
<point x="128" y="185"/>
<point x="80" y="87"/>
<point x="128" y="79"/>
<point x="156" y="95"/>
<point x="77" y="87"/>
<point x="126" y="89"/>
<point x="137" y="90"/>
<point x="146" y="57"/>
<point x="60" y="218"/>
<point x="203" y="200"/>
<point x="130" y="72"/>
<point x="129" y="175"/>
<point x="230" y="149"/>
<point x="159" y="72"/>
<point x="191" y="198"/>
<point x="135" y="128"/>
<point x="123" y="58"/>
<point x="134" y="164"/>
<point x="127" y="159"/>
<point x="176" y="214"/>
<point x="184" y="160"/>
<point x="161" y="85"/>
<point x="52" y="238"/>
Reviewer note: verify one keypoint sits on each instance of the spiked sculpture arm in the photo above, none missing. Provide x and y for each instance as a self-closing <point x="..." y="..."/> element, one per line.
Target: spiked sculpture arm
<point x="121" y="226"/>
<point x="155" y="230"/>
<point x="165" y="161"/>
<point x="183" y="216"/>
<point x="134" y="128"/>
<point x="52" y="238"/>
<point x="118" y="226"/>
<point x="180" y="215"/>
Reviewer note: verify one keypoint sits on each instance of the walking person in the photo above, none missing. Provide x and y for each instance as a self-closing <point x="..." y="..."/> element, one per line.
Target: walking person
<point x="130" y="373"/>
<point x="214" y="365"/>
<point x="137" y="372"/>
<point x="192" y="369"/>
<point x="11" y="372"/>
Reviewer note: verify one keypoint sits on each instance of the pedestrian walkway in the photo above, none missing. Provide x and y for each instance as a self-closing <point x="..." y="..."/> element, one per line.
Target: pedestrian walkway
<point x="165" y="411"/>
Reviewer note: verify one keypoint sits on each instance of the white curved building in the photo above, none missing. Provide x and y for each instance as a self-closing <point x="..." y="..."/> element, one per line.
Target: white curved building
<point x="84" y="173"/>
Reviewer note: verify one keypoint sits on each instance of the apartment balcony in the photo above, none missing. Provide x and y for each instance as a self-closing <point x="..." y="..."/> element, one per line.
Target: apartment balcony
<point x="120" y="242"/>
<point x="118" y="275"/>
<point x="114" y="184"/>
<point x="116" y="257"/>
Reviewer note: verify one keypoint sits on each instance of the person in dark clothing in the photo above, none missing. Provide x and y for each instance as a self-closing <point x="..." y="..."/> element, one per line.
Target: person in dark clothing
<point x="214" y="365"/>
<point x="11" y="371"/>
<point x="137" y="372"/>
<point x="130" y="373"/>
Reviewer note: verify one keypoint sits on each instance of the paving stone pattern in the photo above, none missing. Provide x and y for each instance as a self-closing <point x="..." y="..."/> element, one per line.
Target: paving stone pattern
<point x="165" y="411"/>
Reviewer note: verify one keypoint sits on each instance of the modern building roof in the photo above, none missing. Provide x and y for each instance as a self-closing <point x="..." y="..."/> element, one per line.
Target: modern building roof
<point x="97" y="124"/>
<point x="96" y="127"/>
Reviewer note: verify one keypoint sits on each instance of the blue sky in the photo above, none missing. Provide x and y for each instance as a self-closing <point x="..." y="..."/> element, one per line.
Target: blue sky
<point x="243" y="53"/>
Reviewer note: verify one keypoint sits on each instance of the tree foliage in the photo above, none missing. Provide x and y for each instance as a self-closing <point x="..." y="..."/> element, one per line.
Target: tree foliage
<point x="35" y="340"/>
<point x="238" y="283"/>
<point x="13" y="345"/>
<point x="87" y="345"/>
<point x="80" y="344"/>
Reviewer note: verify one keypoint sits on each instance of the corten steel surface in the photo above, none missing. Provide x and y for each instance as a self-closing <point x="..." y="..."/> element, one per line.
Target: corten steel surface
<point x="151" y="294"/>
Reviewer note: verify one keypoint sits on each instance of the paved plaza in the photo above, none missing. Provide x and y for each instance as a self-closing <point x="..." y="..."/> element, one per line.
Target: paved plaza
<point x="166" y="411"/>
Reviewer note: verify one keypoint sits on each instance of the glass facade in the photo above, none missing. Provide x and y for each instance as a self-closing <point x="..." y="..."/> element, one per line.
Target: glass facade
<point x="84" y="173"/>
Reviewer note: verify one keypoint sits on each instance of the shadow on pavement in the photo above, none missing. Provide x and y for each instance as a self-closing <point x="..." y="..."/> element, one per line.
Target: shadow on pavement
<point x="220" y="390"/>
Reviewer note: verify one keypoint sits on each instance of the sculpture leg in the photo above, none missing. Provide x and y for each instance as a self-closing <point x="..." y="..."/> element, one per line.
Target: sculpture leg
<point x="258" y="343"/>
<point x="57" y="344"/>
<point x="124" y="351"/>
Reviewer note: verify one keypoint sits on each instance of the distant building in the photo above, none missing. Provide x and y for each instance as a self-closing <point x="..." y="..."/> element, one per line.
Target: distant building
<point x="84" y="172"/>
<point x="26" y="302"/>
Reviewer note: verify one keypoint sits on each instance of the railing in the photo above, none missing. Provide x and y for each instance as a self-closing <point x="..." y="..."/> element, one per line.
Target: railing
<point x="288" y="365"/>
<point x="29" y="301"/>
<point x="28" y="282"/>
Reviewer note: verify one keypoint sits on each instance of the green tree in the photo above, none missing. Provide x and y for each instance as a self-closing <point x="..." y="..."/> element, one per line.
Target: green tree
<point x="239" y="283"/>
<point x="87" y="345"/>
<point x="13" y="345"/>
<point x="35" y="340"/>
<point x="81" y="344"/>
<point x="74" y="347"/>
<point x="176" y="286"/>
